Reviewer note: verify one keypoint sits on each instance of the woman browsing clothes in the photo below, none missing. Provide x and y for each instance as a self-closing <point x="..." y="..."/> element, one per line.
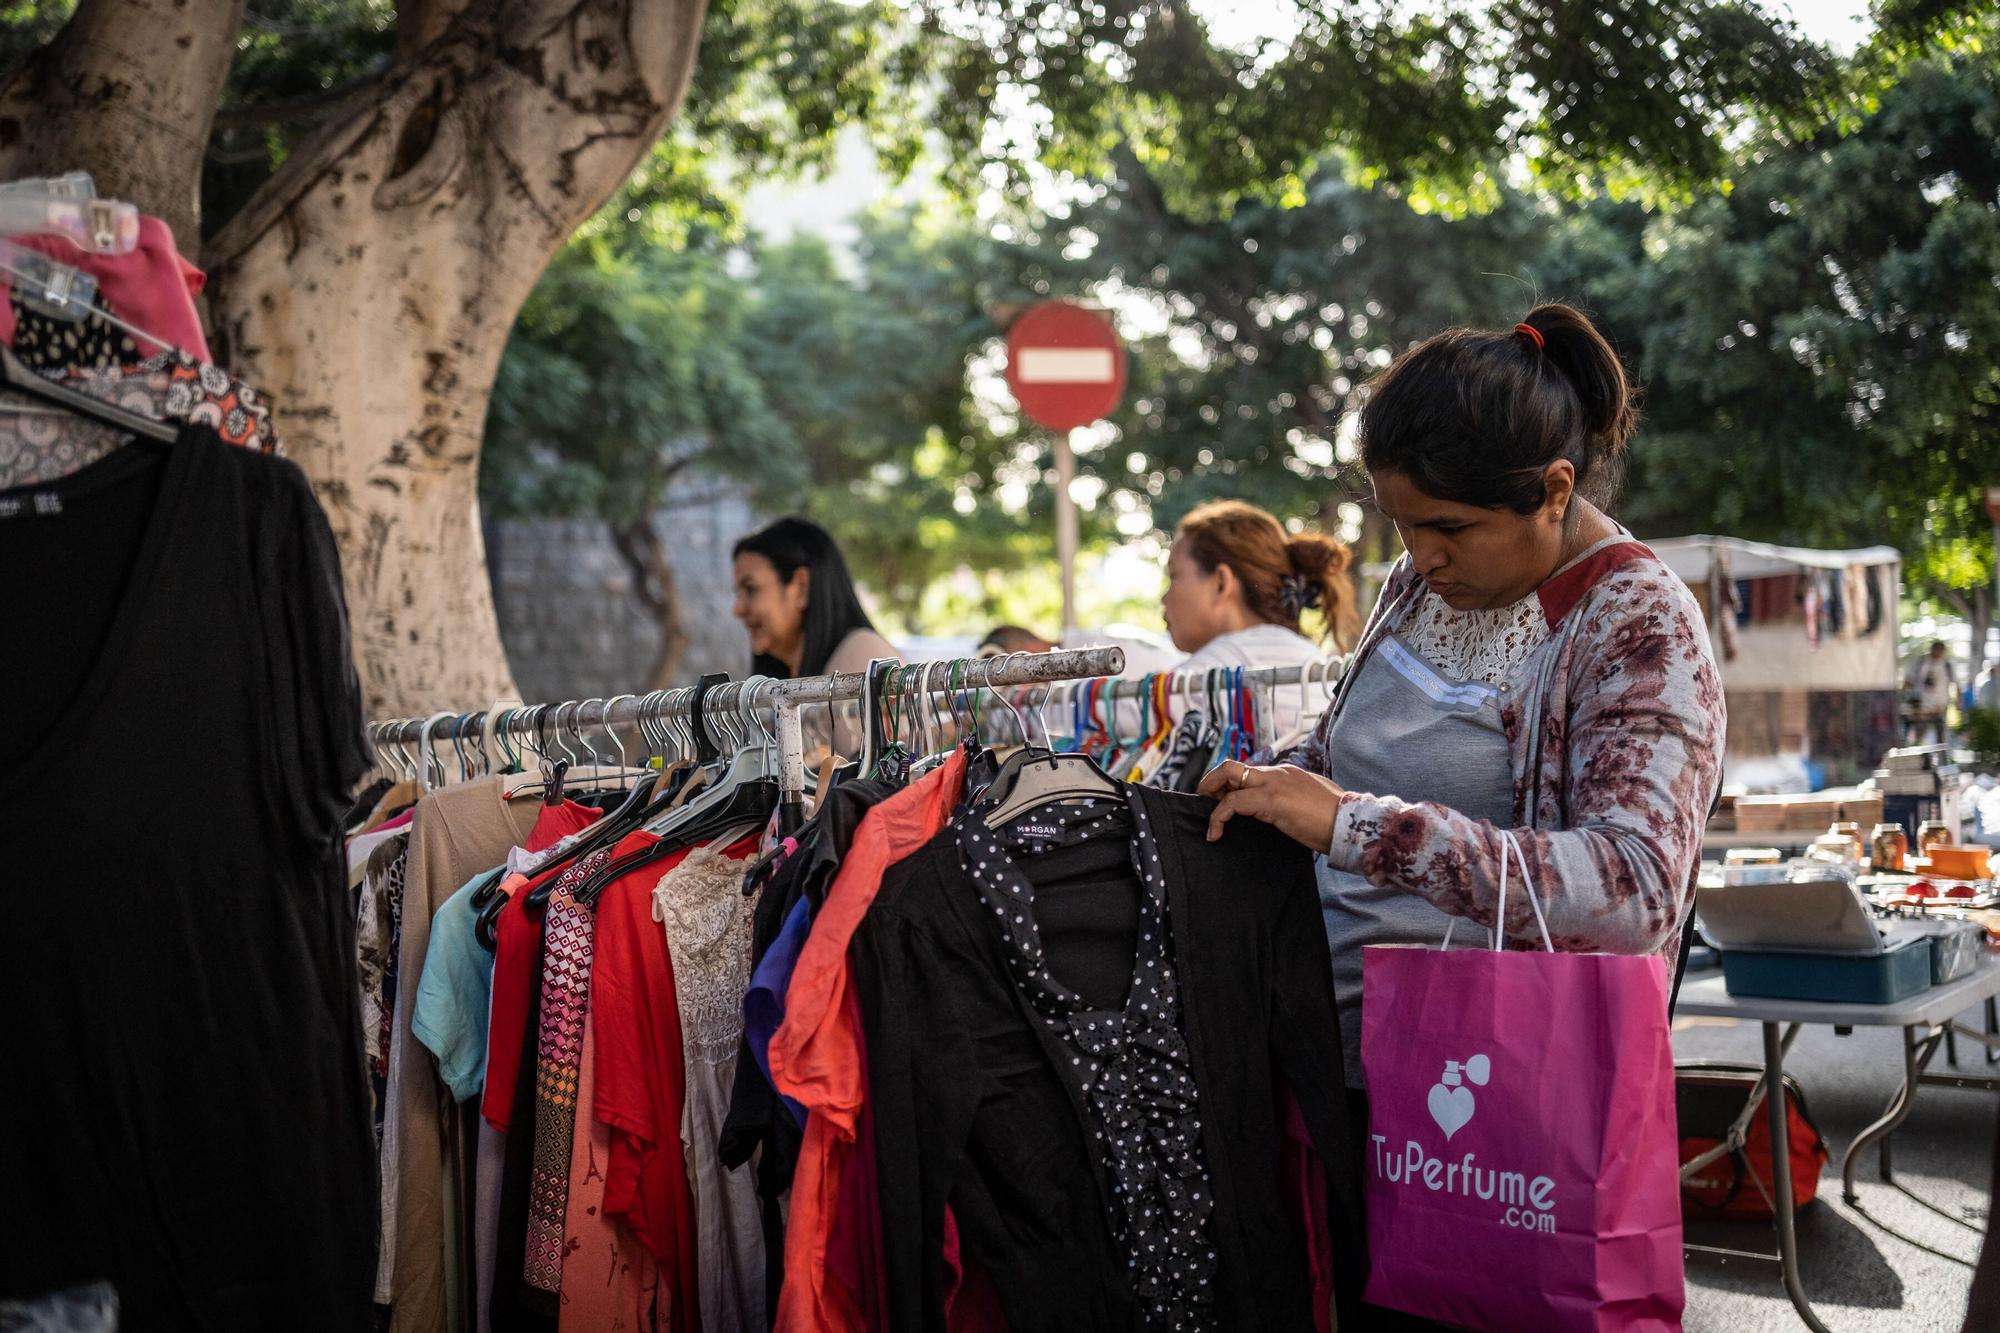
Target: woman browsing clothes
<point x="1528" y="667"/>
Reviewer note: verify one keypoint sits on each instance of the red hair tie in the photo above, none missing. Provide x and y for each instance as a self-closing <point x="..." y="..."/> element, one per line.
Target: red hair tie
<point x="1533" y="334"/>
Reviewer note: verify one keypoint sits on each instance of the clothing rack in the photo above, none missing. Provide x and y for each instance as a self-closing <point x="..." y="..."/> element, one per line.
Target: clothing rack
<point x="771" y="704"/>
<point x="1265" y="681"/>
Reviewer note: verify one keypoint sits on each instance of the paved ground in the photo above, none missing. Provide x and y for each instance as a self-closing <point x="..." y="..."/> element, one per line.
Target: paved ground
<point x="1901" y="1261"/>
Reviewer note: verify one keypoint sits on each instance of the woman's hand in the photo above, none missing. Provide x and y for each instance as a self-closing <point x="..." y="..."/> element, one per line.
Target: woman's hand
<point x="1298" y="804"/>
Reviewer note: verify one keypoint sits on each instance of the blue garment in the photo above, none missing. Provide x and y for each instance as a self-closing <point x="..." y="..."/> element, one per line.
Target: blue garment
<point x="764" y="1002"/>
<point x="455" y="994"/>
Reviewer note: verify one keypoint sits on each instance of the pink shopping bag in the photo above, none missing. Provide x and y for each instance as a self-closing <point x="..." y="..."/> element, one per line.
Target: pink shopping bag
<point x="1522" y="1170"/>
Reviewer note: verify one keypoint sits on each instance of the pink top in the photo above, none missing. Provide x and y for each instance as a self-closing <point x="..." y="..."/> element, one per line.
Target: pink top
<point x="152" y="288"/>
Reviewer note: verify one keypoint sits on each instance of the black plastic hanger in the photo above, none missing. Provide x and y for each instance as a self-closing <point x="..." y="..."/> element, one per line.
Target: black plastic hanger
<point x="606" y="830"/>
<point x="19" y="378"/>
<point x="1031" y="779"/>
<point x="750" y="803"/>
<point x="1035" y="776"/>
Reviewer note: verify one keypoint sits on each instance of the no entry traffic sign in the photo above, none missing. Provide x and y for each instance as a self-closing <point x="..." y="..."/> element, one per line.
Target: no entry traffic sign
<point x="1065" y="364"/>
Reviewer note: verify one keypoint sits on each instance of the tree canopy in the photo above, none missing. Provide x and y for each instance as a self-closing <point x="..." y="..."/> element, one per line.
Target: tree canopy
<point x="1274" y="201"/>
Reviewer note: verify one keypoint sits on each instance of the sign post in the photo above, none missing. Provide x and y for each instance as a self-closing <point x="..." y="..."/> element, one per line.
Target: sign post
<point x="1067" y="369"/>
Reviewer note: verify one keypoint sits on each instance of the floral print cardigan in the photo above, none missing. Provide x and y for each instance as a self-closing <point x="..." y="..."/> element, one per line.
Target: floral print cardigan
<point x="1616" y="736"/>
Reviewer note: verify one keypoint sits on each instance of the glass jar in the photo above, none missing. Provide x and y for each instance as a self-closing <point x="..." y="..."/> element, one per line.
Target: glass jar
<point x="1888" y="847"/>
<point x="1932" y="833"/>
<point x="1851" y="831"/>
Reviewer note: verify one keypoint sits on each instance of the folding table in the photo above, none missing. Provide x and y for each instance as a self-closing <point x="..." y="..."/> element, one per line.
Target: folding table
<point x="1926" y="1018"/>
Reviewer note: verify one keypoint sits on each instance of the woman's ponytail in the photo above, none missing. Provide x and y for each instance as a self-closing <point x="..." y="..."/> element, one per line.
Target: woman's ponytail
<point x="1575" y="348"/>
<point x="1319" y="572"/>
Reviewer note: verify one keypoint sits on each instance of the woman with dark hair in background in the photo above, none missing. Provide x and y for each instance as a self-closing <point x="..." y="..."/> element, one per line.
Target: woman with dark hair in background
<point x="1529" y="668"/>
<point x="797" y="603"/>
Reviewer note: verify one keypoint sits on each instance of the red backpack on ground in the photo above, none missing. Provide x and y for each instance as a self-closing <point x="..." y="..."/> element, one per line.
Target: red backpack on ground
<point x="1713" y="1104"/>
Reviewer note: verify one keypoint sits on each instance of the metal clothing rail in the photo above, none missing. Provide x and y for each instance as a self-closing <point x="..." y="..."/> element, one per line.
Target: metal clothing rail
<point x="1265" y="682"/>
<point x="767" y="701"/>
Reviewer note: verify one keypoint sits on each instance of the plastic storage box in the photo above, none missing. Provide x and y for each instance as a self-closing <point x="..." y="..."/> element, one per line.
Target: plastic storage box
<point x="1895" y="974"/>
<point x="1955" y="947"/>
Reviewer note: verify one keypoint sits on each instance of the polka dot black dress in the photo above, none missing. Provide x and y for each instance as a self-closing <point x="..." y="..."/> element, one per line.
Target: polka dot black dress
<point x="1130" y="1066"/>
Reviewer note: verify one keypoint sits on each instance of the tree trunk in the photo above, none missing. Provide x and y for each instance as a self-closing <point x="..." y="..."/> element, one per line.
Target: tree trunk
<point x="659" y="590"/>
<point x="371" y="286"/>
<point x="127" y="91"/>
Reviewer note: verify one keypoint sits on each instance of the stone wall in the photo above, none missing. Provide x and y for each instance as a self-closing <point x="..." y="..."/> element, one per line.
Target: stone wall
<point x="573" y="628"/>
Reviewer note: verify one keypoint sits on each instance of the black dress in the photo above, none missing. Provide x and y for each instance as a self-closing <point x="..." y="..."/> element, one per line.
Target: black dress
<point x="185" y="1105"/>
<point x="970" y="1108"/>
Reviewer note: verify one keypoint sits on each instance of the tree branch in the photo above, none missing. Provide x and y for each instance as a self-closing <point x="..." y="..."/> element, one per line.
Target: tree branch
<point x="421" y="22"/>
<point x="559" y="98"/>
<point x="654" y="583"/>
<point x="127" y="91"/>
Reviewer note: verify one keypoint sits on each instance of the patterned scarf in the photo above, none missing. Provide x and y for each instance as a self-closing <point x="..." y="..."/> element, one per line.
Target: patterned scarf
<point x="566" y="952"/>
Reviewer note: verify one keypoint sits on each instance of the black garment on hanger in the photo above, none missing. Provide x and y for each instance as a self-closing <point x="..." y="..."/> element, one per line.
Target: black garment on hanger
<point x="185" y="1098"/>
<point x="512" y="1307"/>
<point x="68" y="551"/>
<point x="757" y="1118"/>
<point x="364" y="802"/>
<point x="969" y="1109"/>
<point x="1128" y="1065"/>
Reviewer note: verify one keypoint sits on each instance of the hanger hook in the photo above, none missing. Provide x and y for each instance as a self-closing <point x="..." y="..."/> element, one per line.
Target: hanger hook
<point x="562" y="740"/>
<point x="647" y="702"/>
<point x="759" y="703"/>
<point x="427" y="748"/>
<point x="385" y="750"/>
<point x="531" y="733"/>
<point x="1020" y="723"/>
<point x="604" y="722"/>
<point x="582" y="735"/>
<point x="406" y="752"/>
<point x="458" y="746"/>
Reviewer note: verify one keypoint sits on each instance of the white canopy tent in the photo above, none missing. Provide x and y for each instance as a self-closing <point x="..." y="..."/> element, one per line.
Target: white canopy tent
<point x="1691" y="557"/>
<point x="1779" y="656"/>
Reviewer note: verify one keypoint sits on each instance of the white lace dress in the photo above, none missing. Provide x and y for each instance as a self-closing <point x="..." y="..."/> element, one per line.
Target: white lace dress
<point x="707" y="918"/>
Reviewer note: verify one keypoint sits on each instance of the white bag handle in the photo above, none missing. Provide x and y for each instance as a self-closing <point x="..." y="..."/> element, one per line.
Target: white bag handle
<point x="1509" y="843"/>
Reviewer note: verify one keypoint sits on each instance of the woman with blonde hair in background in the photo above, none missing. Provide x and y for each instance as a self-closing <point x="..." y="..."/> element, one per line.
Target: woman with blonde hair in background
<point x="1238" y="588"/>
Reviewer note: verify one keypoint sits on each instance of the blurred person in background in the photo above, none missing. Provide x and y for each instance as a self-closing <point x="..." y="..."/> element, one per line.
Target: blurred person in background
<point x="1238" y="585"/>
<point x="1004" y="639"/>
<point x="1928" y="687"/>
<point x="799" y="607"/>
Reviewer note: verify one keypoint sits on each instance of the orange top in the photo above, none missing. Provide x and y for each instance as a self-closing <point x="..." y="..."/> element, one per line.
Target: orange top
<point x="816" y="1054"/>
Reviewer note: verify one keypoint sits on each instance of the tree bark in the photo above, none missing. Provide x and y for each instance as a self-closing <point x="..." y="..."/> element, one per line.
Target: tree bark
<point x="370" y="286"/>
<point x="658" y="590"/>
<point x="1975" y="607"/>
<point x="127" y="91"/>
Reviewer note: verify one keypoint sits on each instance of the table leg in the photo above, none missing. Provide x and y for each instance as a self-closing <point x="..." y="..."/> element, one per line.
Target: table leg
<point x="1781" y="1174"/>
<point x="1916" y="1055"/>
